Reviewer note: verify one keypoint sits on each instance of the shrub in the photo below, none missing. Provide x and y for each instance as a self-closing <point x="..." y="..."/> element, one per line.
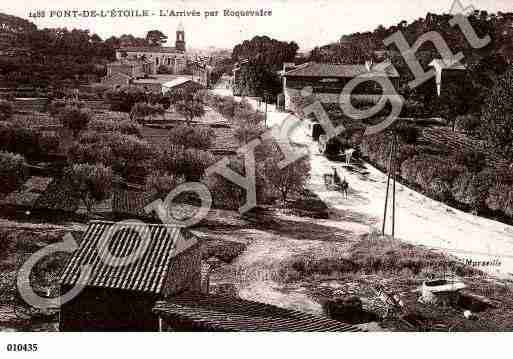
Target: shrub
<point x="188" y="102"/>
<point x="13" y="171"/>
<point x="192" y="137"/>
<point x="472" y="189"/>
<point x="164" y="70"/>
<point x="500" y="198"/>
<point x="125" y="98"/>
<point x="475" y="161"/>
<point x="127" y="127"/>
<point x="92" y="183"/>
<point x="128" y="155"/>
<point x="142" y="110"/>
<point x="163" y="182"/>
<point x="468" y="124"/>
<point x="25" y="141"/>
<point x="187" y="162"/>
<point x="57" y="106"/>
<point x="6" y="110"/>
<point x="48" y="143"/>
<point x="407" y="133"/>
<point x="75" y="118"/>
<point x="497" y="127"/>
<point x="289" y="180"/>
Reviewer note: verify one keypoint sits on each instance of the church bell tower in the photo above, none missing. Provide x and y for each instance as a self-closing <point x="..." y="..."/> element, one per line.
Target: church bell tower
<point x="180" y="38"/>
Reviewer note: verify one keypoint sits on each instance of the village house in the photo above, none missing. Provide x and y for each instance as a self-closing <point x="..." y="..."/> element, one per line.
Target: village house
<point x="121" y="298"/>
<point x="328" y="80"/>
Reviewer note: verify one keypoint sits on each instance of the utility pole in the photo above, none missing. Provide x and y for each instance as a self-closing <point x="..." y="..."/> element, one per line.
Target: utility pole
<point x="388" y="187"/>
<point x="391" y="173"/>
<point x="394" y="165"/>
<point x="265" y="117"/>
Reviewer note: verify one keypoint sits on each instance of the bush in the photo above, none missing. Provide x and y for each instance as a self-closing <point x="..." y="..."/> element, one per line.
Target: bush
<point x="75" y="118"/>
<point x="6" y="110"/>
<point x="289" y="180"/>
<point x="163" y="182"/>
<point x="497" y="127"/>
<point x="475" y="161"/>
<point x="407" y="133"/>
<point x="48" y="143"/>
<point x="433" y="174"/>
<point x="92" y="183"/>
<point x="57" y="106"/>
<point x="190" y="163"/>
<point x="472" y="189"/>
<point x="128" y="155"/>
<point x="468" y="124"/>
<point x="164" y="70"/>
<point x="142" y="110"/>
<point x="188" y="136"/>
<point x="500" y="198"/>
<point x="13" y="171"/>
<point x="127" y="127"/>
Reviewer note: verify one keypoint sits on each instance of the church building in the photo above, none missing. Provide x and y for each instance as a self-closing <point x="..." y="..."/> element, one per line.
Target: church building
<point x="174" y="58"/>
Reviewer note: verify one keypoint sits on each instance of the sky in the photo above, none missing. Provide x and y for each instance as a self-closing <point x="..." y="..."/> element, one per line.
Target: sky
<point x="309" y="23"/>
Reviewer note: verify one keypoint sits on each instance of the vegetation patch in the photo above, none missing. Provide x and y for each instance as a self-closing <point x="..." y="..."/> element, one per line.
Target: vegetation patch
<point x="375" y="254"/>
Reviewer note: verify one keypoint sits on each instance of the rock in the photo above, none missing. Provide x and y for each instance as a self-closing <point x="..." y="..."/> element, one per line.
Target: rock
<point x="346" y="309"/>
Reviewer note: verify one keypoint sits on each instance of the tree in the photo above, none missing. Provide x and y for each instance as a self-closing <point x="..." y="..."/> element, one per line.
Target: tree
<point x="289" y="180"/>
<point x="75" y="118"/>
<point x="142" y="110"/>
<point x="93" y="182"/>
<point x="163" y="182"/>
<point x="13" y="171"/>
<point x="188" y="136"/>
<point x="497" y="128"/>
<point x="156" y="38"/>
<point x="6" y="110"/>
<point x="188" y="102"/>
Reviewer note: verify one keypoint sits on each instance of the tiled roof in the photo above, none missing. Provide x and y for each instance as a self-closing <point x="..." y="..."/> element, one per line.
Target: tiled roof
<point x="314" y="69"/>
<point x="145" y="274"/>
<point x="131" y="202"/>
<point x="177" y="82"/>
<point x="218" y="313"/>
<point x="128" y="62"/>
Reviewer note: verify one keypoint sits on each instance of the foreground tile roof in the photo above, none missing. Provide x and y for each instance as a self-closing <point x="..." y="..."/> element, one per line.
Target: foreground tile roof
<point x="146" y="274"/>
<point x="219" y="313"/>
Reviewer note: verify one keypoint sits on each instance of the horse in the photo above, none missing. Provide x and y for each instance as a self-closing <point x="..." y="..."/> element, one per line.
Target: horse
<point x="343" y="185"/>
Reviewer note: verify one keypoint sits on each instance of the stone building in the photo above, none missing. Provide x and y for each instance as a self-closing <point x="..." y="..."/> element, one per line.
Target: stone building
<point x="328" y="80"/>
<point x="174" y="58"/>
<point x="120" y="297"/>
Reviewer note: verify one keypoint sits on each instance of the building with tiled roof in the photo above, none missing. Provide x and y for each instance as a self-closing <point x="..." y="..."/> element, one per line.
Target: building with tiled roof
<point x="327" y="81"/>
<point x="124" y="269"/>
<point x="174" y="58"/>
<point x="201" y="312"/>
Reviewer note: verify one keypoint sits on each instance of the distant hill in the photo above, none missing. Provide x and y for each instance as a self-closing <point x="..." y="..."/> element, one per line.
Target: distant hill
<point x="361" y="46"/>
<point x="11" y="27"/>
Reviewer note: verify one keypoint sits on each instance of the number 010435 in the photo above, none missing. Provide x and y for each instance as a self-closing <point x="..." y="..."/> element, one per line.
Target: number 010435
<point x="22" y="347"/>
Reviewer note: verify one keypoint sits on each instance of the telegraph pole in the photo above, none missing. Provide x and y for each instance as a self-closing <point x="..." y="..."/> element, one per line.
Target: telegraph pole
<point x="392" y="161"/>
<point x="394" y="165"/>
